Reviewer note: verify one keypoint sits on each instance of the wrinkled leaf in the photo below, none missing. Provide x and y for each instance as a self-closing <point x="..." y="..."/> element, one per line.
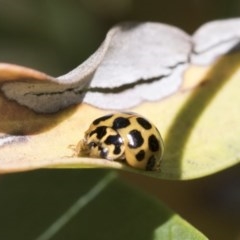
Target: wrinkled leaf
<point x="199" y="121"/>
<point x="136" y="62"/>
<point x="214" y="39"/>
<point x="133" y="69"/>
<point x="101" y="208"/>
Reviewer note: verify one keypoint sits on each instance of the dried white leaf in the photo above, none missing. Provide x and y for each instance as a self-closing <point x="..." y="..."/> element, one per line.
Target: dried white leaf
<point x="214" y="39"/>
<point x="141" y="51"/>
<point x="157" y="88"/>
<point x="136" y="62"/>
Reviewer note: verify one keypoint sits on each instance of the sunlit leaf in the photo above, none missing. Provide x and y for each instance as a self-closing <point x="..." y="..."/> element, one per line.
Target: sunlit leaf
<point x="199" y="120"/>
<point x="175" y="228"/>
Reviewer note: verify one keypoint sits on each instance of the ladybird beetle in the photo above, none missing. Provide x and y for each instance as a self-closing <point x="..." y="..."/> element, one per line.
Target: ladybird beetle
<point x="123" y="137"/>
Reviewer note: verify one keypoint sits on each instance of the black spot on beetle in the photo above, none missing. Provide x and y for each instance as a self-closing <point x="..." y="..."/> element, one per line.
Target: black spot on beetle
<point x="115" y="140"/>
<point x="153" y="143"/>
<point x="117" y="150"/>
<point x="120" y="122"/>
<point x="98" y="120"/>
<point x="135" y="139"/>
<point x="151" y="163"/>
<point x="144" y="123"/>
<point x="100" y="131"/>
<point x="140" y="155"/>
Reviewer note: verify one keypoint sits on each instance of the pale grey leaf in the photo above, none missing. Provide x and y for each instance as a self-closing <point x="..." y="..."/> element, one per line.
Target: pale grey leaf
<point x="136" y="62"/>
<point x="215" y="39"/>
<point x="129" y="97"/>
<point x="40" y="97"/>
<point x="144" y="62"/>
<point x="141" y="51"/>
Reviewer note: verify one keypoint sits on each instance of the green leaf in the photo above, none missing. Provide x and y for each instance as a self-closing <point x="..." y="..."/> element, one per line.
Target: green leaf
<point x="90" y="204"/>
<point x="177" y="228"/>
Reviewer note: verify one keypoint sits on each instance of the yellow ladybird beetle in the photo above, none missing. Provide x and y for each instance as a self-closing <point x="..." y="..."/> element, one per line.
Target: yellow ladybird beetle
<point x="124" y="137"/>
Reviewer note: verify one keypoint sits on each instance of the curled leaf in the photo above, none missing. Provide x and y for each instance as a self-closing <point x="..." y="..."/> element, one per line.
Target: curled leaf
<point x="214" y="39"/>
<point x="197" y="115"/>
<point x="135" y="70"/>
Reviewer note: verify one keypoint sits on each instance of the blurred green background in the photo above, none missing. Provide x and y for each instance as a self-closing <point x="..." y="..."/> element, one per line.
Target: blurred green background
<point x="56" y="36"/>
